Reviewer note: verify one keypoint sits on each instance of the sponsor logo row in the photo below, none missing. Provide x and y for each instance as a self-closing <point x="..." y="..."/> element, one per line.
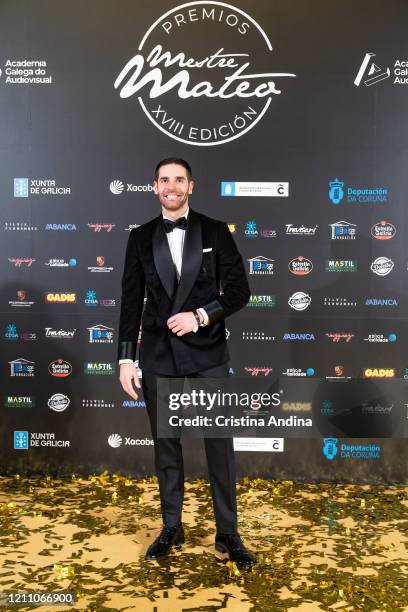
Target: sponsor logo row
<point x="339" y="230"/>
<point x="299" y="266"/>
<point x="298" y="301"/>
<point x="337" y="190"/>
<point x="23" y="368"/>
<point x="101" y="334"/>
<point x="24" y="440"/>
<point x="59" y="402"/>
<point x="59" y="368"/>
<point x="62" y="297"/>
<point x="58" y="262"/>
<point x="337" y="372"/>
<point x="302" y="266"/>
<point x="97" y="334"/>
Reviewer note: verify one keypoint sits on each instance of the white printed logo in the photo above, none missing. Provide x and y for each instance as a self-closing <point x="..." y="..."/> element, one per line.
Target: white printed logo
<point x="382" y="266"/>
<point x="115" y="440"/>
<point x="116" y="187"/>
<point x="371" y="73"/>
<point x="299" y="300"/>
<point x="203" y="49"/>
<point x="58" y="402"/>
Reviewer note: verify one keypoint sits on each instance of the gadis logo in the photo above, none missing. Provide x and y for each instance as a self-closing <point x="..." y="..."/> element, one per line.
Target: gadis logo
<point x="215" y="59"/>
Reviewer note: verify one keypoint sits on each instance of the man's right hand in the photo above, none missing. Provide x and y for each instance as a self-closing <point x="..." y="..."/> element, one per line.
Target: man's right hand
<point x="128" y="374"/>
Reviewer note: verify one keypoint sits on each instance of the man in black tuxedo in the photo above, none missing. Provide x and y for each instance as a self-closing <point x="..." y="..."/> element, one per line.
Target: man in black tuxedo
<point x="194" y="277"/>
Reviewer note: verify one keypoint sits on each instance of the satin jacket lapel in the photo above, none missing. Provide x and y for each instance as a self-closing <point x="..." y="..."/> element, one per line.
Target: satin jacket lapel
<point x="191" y="263"/>
<point x="162" y="258"/>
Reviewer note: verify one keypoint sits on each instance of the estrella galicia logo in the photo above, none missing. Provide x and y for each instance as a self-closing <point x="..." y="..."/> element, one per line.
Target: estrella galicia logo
<point x="21" y="187"/>
<point x="336" y="192"/>
<point x="330" y="448"/>
<point x="21" y="440"/>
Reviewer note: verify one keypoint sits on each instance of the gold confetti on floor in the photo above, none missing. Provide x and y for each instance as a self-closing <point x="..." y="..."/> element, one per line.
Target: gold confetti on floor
<point x="319" y="546"/>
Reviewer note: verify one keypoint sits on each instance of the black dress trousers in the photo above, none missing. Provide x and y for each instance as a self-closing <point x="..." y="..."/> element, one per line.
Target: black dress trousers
<point x="170" y="469"/>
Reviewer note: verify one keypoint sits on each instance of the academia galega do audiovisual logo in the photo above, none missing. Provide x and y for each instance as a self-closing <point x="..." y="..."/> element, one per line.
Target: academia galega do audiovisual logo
<point x="216" y="60"/>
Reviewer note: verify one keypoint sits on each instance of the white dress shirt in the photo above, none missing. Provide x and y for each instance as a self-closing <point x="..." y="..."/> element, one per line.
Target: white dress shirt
<point x="175" y="239"/>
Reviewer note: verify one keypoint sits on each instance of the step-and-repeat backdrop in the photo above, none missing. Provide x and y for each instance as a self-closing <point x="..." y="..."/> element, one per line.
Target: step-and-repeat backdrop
<point x="293" y="118"/>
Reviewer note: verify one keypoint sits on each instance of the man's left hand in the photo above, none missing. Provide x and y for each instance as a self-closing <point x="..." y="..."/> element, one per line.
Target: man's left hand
<point x="182" y="323"/>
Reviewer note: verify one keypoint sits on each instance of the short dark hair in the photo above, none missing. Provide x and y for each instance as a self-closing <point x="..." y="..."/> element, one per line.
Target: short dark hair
<point x="173" y="160"/>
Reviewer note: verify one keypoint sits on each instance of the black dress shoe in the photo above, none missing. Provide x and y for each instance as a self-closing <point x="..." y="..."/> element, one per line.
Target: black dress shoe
<point x="230" y="546"/>
<point x="169" y="536"/>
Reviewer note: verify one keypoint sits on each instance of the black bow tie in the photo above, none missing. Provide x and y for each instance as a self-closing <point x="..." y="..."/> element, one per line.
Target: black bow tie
<point x="170" y="225"/>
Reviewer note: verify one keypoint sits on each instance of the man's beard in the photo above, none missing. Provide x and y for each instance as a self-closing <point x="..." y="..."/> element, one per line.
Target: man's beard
<point x="174" y="205"/>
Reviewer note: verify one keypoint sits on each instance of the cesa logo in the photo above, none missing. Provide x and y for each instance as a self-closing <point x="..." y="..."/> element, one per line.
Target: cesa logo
<point x="216" y="60"/>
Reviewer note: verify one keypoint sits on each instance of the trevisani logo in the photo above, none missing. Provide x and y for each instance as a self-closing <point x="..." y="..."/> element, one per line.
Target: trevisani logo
<point x="219" y="65"/>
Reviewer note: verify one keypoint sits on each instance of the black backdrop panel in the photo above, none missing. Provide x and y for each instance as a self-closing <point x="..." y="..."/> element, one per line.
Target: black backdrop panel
<point x="77" y="155"/>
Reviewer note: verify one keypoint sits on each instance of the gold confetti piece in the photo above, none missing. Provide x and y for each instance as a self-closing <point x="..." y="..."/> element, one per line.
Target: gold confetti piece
<point x="233" y="569"/>
<point x="64" y="571"/>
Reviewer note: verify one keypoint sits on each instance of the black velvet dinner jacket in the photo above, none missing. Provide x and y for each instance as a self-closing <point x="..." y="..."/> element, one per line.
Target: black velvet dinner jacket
<point x="212" y="277"/>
